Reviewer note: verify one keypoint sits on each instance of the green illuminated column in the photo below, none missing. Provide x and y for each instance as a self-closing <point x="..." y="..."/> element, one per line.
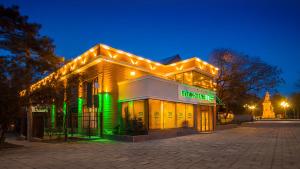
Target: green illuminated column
<point x="65" y="113"/>
<point x="53" y="112"/>
<point x="80" y="114"/>
<point x="100" y="96"/>
<point x="107" y="113"/>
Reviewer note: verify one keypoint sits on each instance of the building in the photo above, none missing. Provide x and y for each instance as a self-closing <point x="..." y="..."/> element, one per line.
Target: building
<point x="120" y="93"/>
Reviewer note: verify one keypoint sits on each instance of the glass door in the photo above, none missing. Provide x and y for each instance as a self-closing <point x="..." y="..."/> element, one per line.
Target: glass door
<point x="204" y="120"/>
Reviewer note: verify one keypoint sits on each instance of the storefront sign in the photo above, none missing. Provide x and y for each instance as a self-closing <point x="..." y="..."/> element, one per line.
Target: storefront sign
<point x="190" y="94"/>
<point x="196" y="95"/>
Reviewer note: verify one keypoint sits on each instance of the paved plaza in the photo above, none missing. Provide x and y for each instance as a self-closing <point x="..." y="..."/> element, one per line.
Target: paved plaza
<point x="257" y="145"/>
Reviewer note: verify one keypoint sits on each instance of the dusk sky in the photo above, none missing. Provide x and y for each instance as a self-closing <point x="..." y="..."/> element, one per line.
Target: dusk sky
<point x="161" y="28"/>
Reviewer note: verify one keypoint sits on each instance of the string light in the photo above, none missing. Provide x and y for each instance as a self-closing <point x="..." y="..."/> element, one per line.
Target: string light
<point x="92" y="50"/>
<point x="105" y="47"/>
<point x="132" y="73"/>
<point x="72" y="64"/>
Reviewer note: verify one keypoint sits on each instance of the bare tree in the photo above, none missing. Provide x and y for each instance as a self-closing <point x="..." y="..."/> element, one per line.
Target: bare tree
<point x="242" y="78"/>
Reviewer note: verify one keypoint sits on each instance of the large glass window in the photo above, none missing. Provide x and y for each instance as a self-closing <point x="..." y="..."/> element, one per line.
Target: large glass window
<point x="194" y="78"/>
<point x="90" y="110"/>
<point x="169" y="115"/>
<point x="179" y="77"/>
<point x="180" y="112"/>
<point x="164" y="114"/>
<point x="133" y="110"/>
<point x="188" y="78"/>
<point x="203" y="81"/>
<point x="139" y="110"/>
<point x="155" y="114"/>
<point x="189" y="114"/>
<point x="185" y="115"/>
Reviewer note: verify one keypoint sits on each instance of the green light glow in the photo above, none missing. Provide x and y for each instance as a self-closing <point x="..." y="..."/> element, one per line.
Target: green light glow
<point x="99" y="111"/>
<point x="65" y="108"/>
<point x="190" y="94"/>
<point x="53" y="111"/>
<point x="65" y="113"/>
<point x="107" y="113"/>
<point x="80" y="113"/>
<point x="100" y="102"/>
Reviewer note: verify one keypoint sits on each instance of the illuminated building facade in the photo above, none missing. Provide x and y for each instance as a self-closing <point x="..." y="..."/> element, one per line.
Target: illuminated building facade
<point x="118" y="91"/>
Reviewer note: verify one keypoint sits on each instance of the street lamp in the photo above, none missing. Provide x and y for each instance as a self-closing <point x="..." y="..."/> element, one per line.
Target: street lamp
<point x="250" y="107"/>
<point x="285" y="105"/>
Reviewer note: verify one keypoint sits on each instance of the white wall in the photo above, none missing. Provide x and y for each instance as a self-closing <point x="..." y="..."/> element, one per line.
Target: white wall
<point x="157" y="88"/>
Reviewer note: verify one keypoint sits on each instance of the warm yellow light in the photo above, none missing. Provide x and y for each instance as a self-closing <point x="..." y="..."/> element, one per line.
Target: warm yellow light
<point x="92" y="50"/>
<point x="157" y="64"/>
<point x="205" y="63"/>
<point x="132" y="73"/>
<point x="128" y="54"/>
<point x="140" y="58"/>
<point x="149" y="61"/>
<point x="284" y="104"/>
<point x="173" y="64"/>
<point x="252" y="107"/>
<point x="179" y="68"/>
<point x="133" y="62"/>
<point x="105" y="47"/>
<point x="121" y="52"/>
<point x="152" y="67"/>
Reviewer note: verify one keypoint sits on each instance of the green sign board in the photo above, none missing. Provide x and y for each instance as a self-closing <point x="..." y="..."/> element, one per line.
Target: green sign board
<point x="196" y="95"/>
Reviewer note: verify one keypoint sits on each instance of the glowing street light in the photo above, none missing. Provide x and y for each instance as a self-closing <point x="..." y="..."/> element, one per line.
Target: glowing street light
<point x="250" y="107"/>
<point x="285" y="105"/>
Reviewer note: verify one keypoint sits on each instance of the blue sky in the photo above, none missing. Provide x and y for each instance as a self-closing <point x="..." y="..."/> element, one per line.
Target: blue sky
<point x="160" y="28"/>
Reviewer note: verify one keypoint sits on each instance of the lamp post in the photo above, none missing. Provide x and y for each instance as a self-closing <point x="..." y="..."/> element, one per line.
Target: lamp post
<point x="285" y="105"/>
<point x="250" y="107"/>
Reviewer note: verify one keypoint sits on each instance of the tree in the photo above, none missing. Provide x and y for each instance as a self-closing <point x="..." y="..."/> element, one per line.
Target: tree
<point x="276" y="99"/>
<point x="25" y="57"/>
<point x="242" y="78"/>
<point x="295" y="104"/>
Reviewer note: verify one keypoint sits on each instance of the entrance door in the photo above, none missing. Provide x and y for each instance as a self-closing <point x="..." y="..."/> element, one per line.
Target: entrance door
<point x="203" y="119"/>
<point x="38" y="125"/>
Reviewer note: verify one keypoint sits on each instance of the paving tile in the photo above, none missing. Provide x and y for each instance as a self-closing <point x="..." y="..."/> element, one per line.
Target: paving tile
<point x="245" y="147"/>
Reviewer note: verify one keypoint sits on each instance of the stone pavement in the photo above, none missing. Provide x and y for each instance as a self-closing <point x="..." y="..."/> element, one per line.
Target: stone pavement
<point x="248" y="146"/>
